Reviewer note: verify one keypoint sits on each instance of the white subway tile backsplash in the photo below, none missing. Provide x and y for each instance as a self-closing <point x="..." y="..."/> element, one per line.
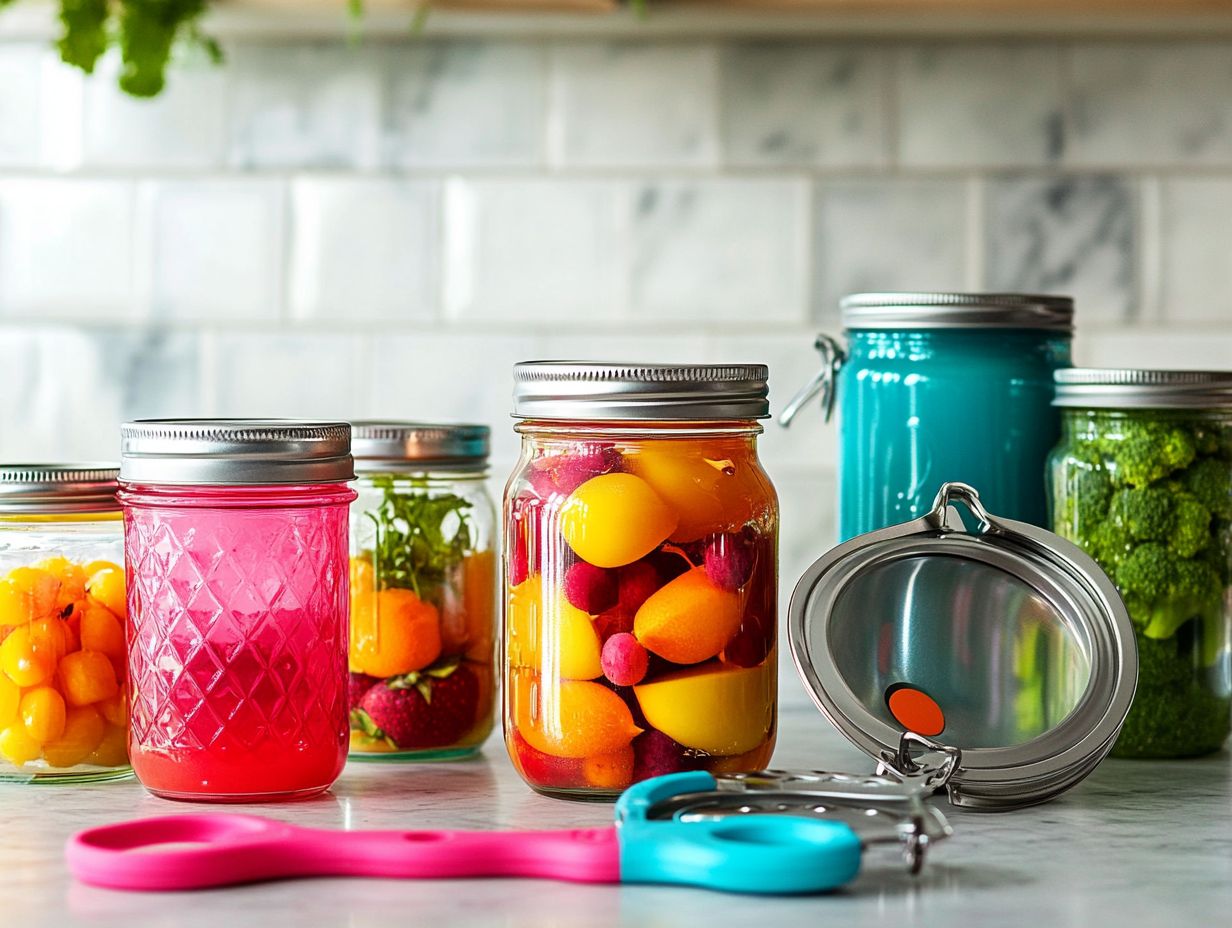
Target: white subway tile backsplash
<point x="1140" y="103"/>
<point x="64" y="391"/>
<point x="20" y="87"/>
<point x="714" y="251"/>
<point x="284" y="375"/>
<point x="451" y="377"/>
<point x="634" y="104"/>
<point x="364" y="249"/>
<point x="66" y="248"/>
<point x="1196" y="251"/>
<point x="535" y="250"/>
<point x="183" y="127"/>
<point x="887" y="234"/>
<point x="312" y="105"/>
<point x="1168" y="347"/>
<point x="805" y="104"/>
<point x="212" y="248"/>
<point x="973" y="105"/>
<point x="1073" y="235"/>
<point x="466" y="104"/>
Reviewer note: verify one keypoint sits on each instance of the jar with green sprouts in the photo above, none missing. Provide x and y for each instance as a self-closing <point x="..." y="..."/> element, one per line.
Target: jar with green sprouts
<point x="1142" y="480"/>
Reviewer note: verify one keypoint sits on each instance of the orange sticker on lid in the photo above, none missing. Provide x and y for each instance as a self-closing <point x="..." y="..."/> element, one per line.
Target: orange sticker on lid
<point x="915" y="710"/>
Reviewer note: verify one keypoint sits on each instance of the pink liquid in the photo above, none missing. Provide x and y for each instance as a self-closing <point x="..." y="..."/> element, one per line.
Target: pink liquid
<point x="237" y="640"/>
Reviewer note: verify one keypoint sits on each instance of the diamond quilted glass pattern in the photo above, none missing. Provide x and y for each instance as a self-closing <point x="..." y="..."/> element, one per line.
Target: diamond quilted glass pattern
<point x="238" y="648"/>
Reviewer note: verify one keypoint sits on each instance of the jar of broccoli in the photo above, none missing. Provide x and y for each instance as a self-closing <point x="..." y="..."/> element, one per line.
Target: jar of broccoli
<point x="1142" y="480"/>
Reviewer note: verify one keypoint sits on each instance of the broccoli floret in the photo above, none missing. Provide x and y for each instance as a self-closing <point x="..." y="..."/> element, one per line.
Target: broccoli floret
<point x="1173" y="714"/>
<point x="1163" y="591"/>
<point x="1147" y="513"/>
<point x="1210" y="482"/>
<point x="1191" y="528"/>
<point x="1147" y="451"/>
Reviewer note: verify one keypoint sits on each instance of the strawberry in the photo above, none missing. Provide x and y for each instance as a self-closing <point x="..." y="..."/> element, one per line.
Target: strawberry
<point x="425" y="709"/>
<point x="358" y="685"/>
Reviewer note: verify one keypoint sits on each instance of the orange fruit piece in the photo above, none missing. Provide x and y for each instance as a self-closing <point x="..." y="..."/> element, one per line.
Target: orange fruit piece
<point x="112" y="751"/>
<point x="609" y="771"/>
<point x="407" y="636"/>
<point x="570" y="718"/>
<point x="25" y="660"/>
<point x="50" y="635"/>
<point x="72" y="579"/>
<point x="615" y="519"/>
<point x="689" y="619"/>
<point x="83" y="731"/>
<point x="27" y="593"/>
<point x="87" y="677"/>
<point x="10" y="699"/>
<point x="107" y="588"/>
<point x="17" y="747"/>
<point x="115" y="709"/>
<point x="102" y="631"/>
<point x="43" y="713"/>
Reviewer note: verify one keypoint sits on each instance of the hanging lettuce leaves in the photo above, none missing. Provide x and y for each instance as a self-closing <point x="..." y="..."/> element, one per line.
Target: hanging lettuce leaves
<point x="84" y="38"/>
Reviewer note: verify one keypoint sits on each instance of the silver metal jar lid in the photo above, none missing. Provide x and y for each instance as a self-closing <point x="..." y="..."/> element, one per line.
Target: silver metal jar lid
<point x="659" y="392"/>
<point x="235" y="452"/>
<point x="385" y="447"/>
<point x="1125" y="388"/>
<point x="1013" y="635"/>
<point x="957" y="311"/>
<point x="58" y="488"/>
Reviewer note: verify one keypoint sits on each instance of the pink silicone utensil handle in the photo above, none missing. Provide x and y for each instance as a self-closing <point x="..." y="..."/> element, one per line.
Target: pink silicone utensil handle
<point x="151" y="854"/>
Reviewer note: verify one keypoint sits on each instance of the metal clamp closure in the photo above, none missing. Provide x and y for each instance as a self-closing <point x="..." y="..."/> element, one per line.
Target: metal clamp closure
<point x="942" y="515"/>
<point x="900" y="765"/>
<point x="823" y="382"/>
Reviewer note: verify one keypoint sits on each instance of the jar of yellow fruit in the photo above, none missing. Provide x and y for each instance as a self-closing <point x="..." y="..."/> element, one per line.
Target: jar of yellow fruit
<point x="640" y="575"/>
<point x="423" y="591"/>
<point x="63" y="710"/>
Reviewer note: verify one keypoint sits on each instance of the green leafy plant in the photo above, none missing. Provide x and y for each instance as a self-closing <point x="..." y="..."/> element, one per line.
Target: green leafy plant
<point x="420" y="538"/>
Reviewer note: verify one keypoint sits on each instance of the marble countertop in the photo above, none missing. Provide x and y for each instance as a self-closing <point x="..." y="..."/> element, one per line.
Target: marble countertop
<point x="1138" y="843"/>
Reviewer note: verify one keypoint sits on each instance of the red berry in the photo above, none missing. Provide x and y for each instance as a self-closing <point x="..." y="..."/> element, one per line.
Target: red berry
<point x="561" y="474"/>
<point x="358" y="685"/>
<point x="542" y="769"/>
<point x="524" y="532"/>
<point x="591" y="589"/>
<point x="624" y="660"/>
<point x="637" y="582"/>
<point x="397" y="709"/>
<point x="750" y="645"/>
<point x="729" y="559"/>
<point x="655" y="754"/>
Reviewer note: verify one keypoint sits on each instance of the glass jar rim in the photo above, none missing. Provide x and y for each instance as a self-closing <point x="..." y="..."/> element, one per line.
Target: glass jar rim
<point x="34" y="489"/>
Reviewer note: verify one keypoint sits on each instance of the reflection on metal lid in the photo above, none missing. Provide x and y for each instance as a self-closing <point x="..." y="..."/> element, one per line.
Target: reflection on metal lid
<point x="1008" y="643"/>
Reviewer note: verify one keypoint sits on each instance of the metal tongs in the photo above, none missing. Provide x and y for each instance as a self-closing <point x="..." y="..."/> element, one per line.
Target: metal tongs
<point x="882" y="808"/>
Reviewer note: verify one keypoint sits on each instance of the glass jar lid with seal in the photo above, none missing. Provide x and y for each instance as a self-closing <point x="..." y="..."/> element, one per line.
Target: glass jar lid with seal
<point x="1006" y="644"/>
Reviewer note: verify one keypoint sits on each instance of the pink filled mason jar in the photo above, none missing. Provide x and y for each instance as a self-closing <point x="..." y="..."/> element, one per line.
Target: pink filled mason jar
<point x="236" y="538"/>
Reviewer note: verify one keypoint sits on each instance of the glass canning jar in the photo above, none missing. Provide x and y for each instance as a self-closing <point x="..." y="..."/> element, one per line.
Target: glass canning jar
<point x="236" y="551"/>
<point x="63" y="714"/>
<point x="1142" y="480"/>
<point x="423" y="591"/>
<point x="641" y="576"/>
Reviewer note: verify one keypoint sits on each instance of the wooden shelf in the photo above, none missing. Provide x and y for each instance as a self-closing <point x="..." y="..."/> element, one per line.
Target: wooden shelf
<point x="695" y="18"/>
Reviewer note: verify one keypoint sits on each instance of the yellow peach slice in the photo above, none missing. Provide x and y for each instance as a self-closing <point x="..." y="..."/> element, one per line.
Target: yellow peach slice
<point x="614" y="519"/>
<point x="569" y="718"/>
<point x="552" y="636"/>
<point x="710" y="491"/>
<point x="713" y="708"/>
<point x="689" y="619"/>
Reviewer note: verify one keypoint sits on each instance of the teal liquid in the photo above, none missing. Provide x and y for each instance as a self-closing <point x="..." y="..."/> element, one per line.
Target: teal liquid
<point x="922" y="408"/>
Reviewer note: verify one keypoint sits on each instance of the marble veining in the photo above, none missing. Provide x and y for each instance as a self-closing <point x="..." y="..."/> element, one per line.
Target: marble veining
<point x="1137" y="844"/>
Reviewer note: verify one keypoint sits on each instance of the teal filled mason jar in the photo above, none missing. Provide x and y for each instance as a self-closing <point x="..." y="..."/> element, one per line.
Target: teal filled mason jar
<point x="941" y="387"/>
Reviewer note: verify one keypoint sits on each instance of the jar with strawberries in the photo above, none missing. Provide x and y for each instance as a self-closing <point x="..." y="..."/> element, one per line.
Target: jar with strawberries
<point x="423" y="591"/>
<point x="640" y="575"/>
<point x="63" y="712"/>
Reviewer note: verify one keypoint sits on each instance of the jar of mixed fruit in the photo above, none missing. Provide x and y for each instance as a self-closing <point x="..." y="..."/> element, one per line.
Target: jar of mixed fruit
<point x="1142" y="480"/>
<point x="640" y="575"/>
<point x="423" y="591"/>
<point x="63" y="711"/>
